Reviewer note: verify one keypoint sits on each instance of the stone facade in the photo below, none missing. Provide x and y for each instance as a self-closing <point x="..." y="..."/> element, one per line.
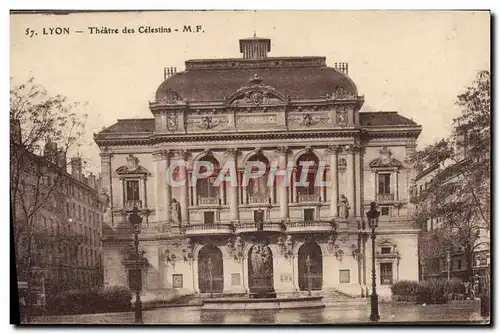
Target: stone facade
<point x="202" y="239"/>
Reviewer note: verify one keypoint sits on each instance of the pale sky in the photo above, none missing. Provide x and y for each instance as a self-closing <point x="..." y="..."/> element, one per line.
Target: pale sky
<point x="415" y="63"/>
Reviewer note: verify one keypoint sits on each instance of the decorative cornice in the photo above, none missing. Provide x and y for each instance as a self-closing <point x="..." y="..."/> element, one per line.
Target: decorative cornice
<point x="152" y="139"/>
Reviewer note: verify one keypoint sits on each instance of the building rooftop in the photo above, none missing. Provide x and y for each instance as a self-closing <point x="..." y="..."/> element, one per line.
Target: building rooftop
<point x="207" y="80"/>
<point x="367" y="119"/>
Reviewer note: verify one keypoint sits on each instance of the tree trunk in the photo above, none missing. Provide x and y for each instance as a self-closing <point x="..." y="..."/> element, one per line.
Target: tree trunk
<point x="469" y="263"/>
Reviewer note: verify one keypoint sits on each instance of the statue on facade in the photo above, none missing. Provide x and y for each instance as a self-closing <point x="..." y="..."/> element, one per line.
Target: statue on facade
<point x="261" y="261"/>
<point x="343" y="207"/>
<point x="176" y="212"/>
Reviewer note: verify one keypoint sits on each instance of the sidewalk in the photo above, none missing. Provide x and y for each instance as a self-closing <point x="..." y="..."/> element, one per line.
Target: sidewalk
<point x="466" y="312"/>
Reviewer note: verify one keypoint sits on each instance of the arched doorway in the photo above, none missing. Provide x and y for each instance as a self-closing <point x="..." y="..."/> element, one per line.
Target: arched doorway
<point x="210" y="270"/>
<point x="310" y="267"/>
<point x="260" y="270"/>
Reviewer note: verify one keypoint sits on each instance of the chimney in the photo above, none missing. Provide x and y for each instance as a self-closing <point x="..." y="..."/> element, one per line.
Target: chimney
<point x="15" y="131"/>
<point x="92" y="181"/>
<point x="61" y="159"/>
<point x="255" y="47"/>
<point x="50" y="152"/>
<point x="342" y="67"/>
<point x="76" y="168"/>
<point x="168" y="72"/>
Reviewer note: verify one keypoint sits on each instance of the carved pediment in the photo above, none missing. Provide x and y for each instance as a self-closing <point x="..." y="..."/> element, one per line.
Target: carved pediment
<point x="256" y="94"/>
<point x="132" y="166"/>
<point x="385" y="160"/>
<point x="386" y="243"/>
<point x="341" y="93"/>
<point x="171" y="97"/>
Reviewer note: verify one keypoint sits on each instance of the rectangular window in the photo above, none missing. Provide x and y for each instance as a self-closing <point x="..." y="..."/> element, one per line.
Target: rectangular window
<point x="235" y="279"/>
<point x="386" y="273"/>
<point x="345" y="276"/>
<point x="386" y="250"/>
<point x="308" y="215"/>
<point x="384" y="183"/>
<point x="459" y="264"/>
<point x="132" y="191"/>
<point x="384" y="211"/>
<point x="208" y="217"/>
<point x="177" y="281"/>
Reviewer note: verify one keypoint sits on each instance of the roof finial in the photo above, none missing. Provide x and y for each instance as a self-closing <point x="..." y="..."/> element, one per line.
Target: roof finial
<point x="254" y="34"/>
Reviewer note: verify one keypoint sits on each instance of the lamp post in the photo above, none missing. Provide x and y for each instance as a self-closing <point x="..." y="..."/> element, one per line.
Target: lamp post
<point x="448" y="260"/>
<point x="135" y="223"/>
<point x="210" y="267"/>
<point x="373" y="215"/>
<point x="308" y="266"/>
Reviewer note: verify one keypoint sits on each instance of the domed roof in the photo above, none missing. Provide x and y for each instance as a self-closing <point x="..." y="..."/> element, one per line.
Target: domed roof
<point x="210" y="80"/>
<point x="215" y="83"/>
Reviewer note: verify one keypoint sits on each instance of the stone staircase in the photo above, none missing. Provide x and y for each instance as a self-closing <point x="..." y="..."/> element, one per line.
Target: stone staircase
<point x="331" y="297"/>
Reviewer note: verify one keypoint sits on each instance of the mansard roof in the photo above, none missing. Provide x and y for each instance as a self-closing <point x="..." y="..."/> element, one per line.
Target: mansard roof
<point x="384" y="118"/>
<point x="307" y="78"/>
<point x="131" y="125"/>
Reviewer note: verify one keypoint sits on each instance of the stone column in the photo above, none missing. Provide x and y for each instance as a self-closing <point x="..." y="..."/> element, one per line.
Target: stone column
<point x="232" y="155"/>
<point x="282" y="186"/>
<point x="334" y="176"/>
<point x="358" y="167"/>
<point x="351" y="180"/>
<point x="183" y="177"/>
<point x="167" y="190"/>
<point x="195" y="193"/>
<point x="223" y="193"/>
<point x="159" y="158"/>
<point x="107" y="188"/>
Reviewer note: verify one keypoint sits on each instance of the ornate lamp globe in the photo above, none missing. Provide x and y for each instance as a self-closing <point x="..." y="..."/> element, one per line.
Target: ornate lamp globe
<point x="373" y="215"/>
<point x="135" y="220"/>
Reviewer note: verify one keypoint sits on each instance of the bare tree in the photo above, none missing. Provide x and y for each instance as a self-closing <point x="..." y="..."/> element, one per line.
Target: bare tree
<point x="39" y="184"/>
<point x="459" y="195"/>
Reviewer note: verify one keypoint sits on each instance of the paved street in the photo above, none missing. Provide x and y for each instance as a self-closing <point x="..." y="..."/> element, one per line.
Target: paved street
<point x="468" y="311"/>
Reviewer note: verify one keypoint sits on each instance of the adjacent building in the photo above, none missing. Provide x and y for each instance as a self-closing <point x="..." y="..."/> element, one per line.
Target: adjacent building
<point x="65" y="251"/>
<point x="241" y="237"/>
<point x="439" y="260"/>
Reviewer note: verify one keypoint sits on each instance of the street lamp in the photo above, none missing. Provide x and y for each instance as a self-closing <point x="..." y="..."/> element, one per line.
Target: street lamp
<point x="308" y="266"/>
<point x="373" y="215"/>
<point x="210" y="267"/>
<point x="135" y="223"/>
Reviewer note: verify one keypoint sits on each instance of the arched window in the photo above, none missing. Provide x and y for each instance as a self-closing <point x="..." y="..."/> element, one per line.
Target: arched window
<point x="206" y="191"/>
<point x="307" y="191"/>
<point x="257" y="188"/>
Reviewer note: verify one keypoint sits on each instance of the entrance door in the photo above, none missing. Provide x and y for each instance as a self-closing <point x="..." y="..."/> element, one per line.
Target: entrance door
<point x="210" y="270"/>
<point x="310" y="267"/>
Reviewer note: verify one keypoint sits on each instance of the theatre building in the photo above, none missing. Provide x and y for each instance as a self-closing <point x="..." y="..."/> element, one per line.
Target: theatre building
<point x="241" y="236"/>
